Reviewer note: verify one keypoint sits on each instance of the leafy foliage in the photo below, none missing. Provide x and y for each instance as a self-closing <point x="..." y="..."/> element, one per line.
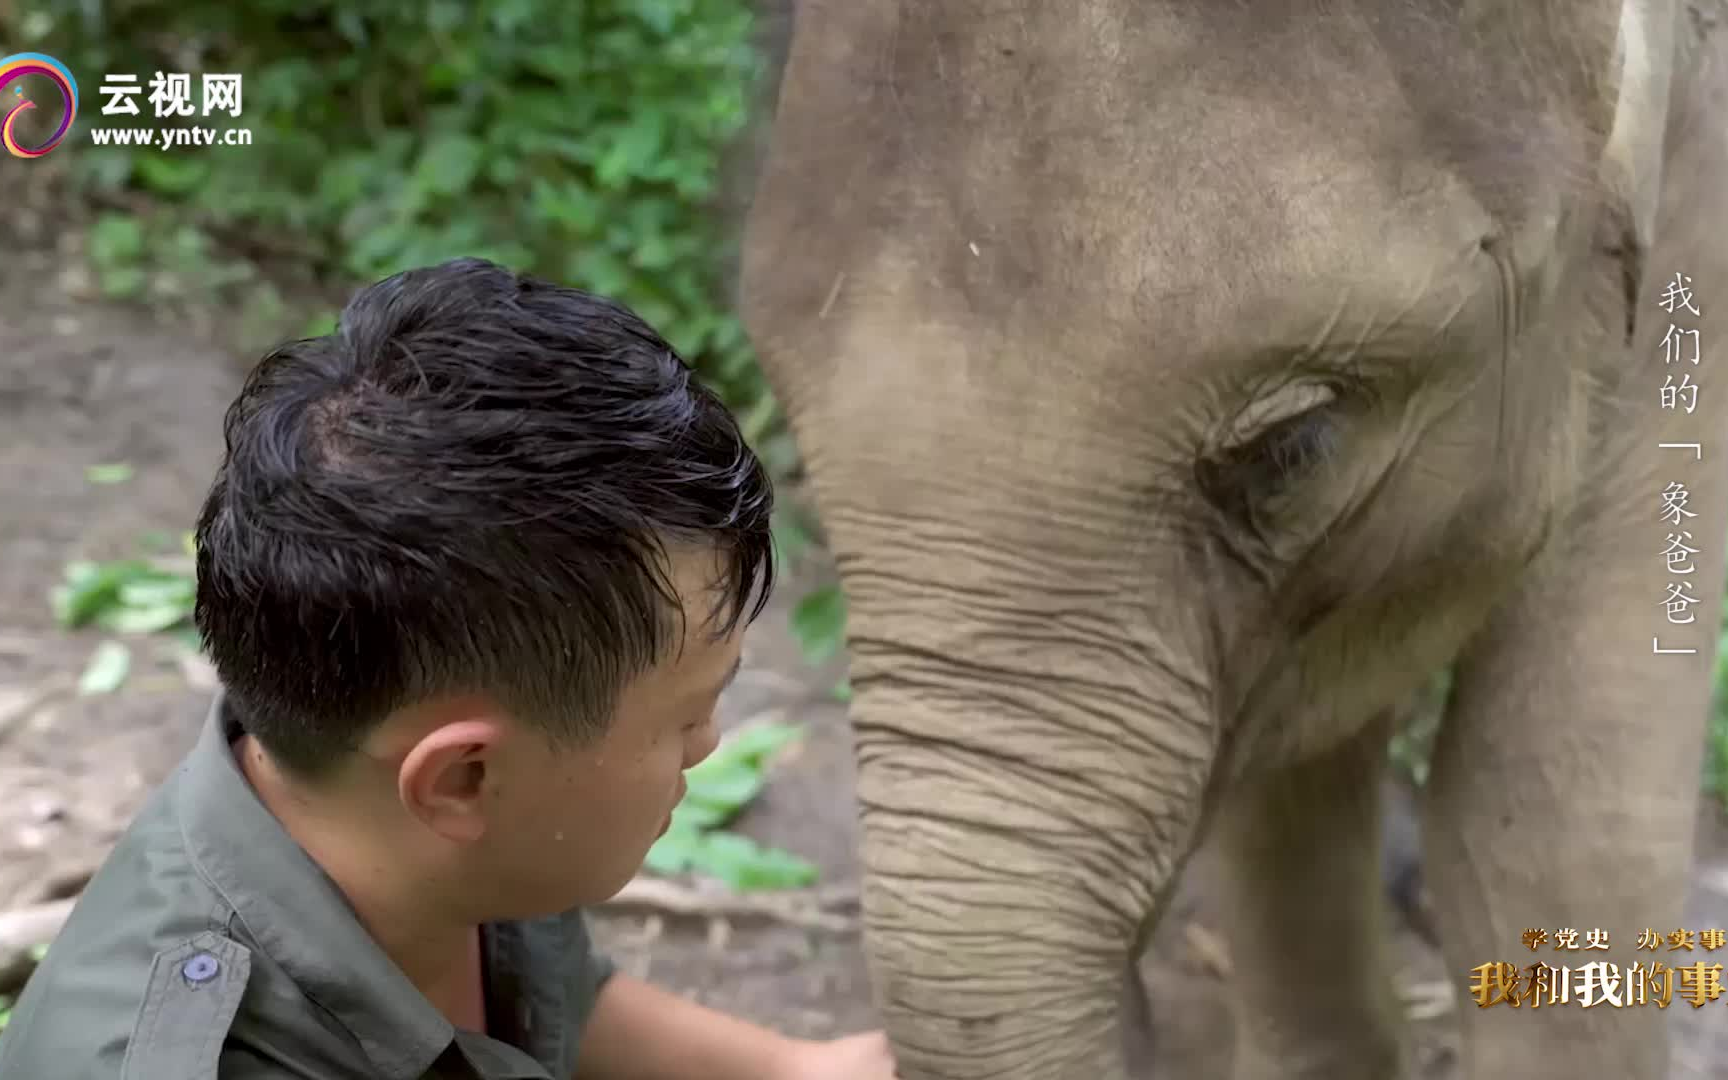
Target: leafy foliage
<point x="819" y="622"/>
<point x="36" y="953"/>
<point x="140" y="595"/>
<point x="145" y="594"/>
<point x="581" y="140"/>
<point x="721" y="786"/>
<point x="126" y="596"/>
<point x="1716" y="754"/>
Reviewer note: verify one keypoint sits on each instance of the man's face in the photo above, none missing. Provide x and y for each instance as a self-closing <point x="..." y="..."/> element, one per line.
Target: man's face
<point x="580" y="821"/>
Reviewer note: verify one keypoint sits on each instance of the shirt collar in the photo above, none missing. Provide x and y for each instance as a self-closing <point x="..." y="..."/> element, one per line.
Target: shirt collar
<point x="297" y="915"/>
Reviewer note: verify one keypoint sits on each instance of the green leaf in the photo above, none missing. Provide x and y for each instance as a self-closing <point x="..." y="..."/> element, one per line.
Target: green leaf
<point x="121" y="282"/>
<point x="351" y="25"/>
<point x="760" y="418"/>
<point x="155" y="589"/>
<point x="758" y="742"/>
<point x="674" y="852"/>
<point x="143" y="620"/>
<point x="115" y="240"/>
<point x="700" y="815"/>
<point x="510" y="15"/>
<point x="779" y="453"/>
<point x="117" y="473"/>
<point x="449" y="163"/>
<point x="790" y="539"/>
<point x="445" y="15"/>
<point x="88" y="588"/>
<point x="746" y="866"/>
<point x="320" y="325"/>
<point x="726" y="787"/>
<point x="819" y="623"/>
<point x="173" y="174"/>
<point x="106" y="669"/>
<point x="634" y="148"/>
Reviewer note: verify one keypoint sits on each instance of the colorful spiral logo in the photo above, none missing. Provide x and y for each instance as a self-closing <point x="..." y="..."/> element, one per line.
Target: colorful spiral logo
<point x="13" y="69"/>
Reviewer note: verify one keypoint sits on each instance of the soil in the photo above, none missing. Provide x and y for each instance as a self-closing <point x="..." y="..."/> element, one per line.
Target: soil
<point x="83" y="382"/>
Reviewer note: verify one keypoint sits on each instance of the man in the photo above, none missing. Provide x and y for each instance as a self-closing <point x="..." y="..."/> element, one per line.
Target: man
<point x="474" y="570"/>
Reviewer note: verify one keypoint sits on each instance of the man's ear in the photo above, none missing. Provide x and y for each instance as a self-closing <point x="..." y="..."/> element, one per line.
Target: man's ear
<point x="443" y="776"/>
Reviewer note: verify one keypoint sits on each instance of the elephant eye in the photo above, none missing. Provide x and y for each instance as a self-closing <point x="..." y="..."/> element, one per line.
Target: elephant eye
<point x="1246" y="478"/>
<point x="1291" y="447"/>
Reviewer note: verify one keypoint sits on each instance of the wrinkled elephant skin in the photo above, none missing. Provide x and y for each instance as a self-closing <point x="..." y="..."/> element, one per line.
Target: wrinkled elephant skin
<point x="1181" y="385"/>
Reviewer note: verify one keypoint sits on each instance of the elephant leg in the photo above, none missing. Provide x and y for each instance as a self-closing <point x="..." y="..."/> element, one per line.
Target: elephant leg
<point x="1304" y="910"/>
<point x="1563" y="798"/>
<point x="1565" y="781"/>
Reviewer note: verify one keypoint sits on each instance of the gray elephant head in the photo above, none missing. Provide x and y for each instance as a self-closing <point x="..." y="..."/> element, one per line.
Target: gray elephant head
<point x="1181" y="384"/>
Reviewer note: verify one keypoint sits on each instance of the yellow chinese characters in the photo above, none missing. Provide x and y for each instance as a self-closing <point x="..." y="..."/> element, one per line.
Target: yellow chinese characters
<point x="1601" y="983"/>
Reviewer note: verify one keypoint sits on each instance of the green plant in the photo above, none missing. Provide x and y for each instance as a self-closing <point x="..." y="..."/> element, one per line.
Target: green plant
<point x="578" y="141"/>
<point x="124" y="596"/>
<point x="1716" y="745"/>
<point x="719" y="788"/>
<point x="581" y="141"/>
<point x="37" y="952"/>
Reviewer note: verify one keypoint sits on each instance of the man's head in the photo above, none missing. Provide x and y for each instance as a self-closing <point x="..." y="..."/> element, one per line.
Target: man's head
<point x="480" y="560"/>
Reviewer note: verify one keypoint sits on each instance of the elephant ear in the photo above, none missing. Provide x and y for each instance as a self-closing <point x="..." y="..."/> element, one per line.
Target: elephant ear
<point x="1643" y="67"/>
<point x="1606" y="63"/>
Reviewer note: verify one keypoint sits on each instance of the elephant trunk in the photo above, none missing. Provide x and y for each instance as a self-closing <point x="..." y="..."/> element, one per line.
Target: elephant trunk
<point x="1024" y="806"/>
<point x="990" y="954"/>
<point x="1032" y="703"/>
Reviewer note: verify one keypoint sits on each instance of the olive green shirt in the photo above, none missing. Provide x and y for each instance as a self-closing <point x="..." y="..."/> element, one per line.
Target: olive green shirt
<point x="210" y="945"/>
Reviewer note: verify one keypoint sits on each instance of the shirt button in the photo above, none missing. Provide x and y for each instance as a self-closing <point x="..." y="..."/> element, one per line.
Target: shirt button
<point x="200" y="968"/>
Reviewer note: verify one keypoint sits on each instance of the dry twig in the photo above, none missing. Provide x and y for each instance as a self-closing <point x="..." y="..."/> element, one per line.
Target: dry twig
<point x="811" y="909"/>
<point x="1427" y="1000"/>
<point x="15" y="710"/>
<point x="1209" y="949"/>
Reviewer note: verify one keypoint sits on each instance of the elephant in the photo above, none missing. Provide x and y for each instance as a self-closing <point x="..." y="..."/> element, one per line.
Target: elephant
<point x="1181" y="385"/>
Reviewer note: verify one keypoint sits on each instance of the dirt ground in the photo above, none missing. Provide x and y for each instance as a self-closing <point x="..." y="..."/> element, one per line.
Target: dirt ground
<point x="83" y="383"/>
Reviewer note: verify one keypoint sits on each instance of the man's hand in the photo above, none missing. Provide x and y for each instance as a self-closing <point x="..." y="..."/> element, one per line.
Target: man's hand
<point x="856" y="1057"/>
<point x="641" y="1032"/>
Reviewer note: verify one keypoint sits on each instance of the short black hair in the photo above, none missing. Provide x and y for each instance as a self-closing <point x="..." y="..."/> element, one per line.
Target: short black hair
<point x="472" y="485"/>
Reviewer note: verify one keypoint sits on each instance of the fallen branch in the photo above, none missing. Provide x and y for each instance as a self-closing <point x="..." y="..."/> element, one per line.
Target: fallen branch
<point x="812" y="909"/>
<point x="1427" y="1000"/>
<point x="1209" y="949"/>
<point x="16" y="709"/>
